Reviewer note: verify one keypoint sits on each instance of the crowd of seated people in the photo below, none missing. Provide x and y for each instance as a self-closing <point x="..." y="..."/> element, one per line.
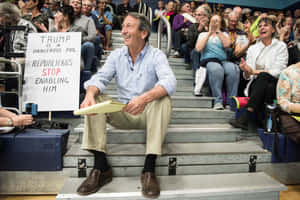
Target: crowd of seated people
<point x="232" y="47"/>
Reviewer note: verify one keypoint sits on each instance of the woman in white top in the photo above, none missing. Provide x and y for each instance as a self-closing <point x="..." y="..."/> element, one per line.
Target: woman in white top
<point x="264" y="62"/>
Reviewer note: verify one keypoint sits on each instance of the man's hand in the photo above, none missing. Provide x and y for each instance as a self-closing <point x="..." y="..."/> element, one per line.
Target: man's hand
<point x="88" y="101"/>
<point x="22" y="120"/>
<point x="135" y="106"/>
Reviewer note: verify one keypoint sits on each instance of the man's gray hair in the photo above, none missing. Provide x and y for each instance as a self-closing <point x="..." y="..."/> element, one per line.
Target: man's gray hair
<point x="144" y="24"/>
<point x="10" y="13"/>
<point x="231" y="14"/>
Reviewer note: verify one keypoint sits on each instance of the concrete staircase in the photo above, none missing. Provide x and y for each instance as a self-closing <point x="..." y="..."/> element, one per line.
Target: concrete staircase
<point x="208" y="157"/>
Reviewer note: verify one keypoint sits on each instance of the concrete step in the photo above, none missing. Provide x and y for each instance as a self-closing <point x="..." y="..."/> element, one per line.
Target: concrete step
<point x="176" y="134"/>
<point x="244" y="186"/>
<point x="31" y="182"/>
<point x="49" y="183"/>
<point x="192" y="158"/>
<point x="200" y="116"/>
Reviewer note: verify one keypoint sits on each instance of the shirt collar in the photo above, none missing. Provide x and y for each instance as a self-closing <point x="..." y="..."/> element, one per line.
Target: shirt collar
<point x="142" y="53"/>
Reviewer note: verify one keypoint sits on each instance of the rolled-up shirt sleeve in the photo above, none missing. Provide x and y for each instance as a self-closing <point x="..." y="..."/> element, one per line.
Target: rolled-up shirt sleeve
<point x="105" y="74"/>
<point x="166" y="77"/>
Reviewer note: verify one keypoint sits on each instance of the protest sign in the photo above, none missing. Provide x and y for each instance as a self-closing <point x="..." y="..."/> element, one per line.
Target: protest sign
<point x="52" y="71"/>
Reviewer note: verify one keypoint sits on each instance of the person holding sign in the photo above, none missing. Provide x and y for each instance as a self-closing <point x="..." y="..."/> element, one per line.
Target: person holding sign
<point x="145" y="85"/>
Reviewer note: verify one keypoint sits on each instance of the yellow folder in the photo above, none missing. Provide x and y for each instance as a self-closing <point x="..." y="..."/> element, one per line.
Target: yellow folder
<point x="103" y="107"/>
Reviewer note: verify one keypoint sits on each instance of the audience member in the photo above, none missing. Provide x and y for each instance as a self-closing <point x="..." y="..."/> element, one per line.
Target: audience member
<point x="39" y="19"/>
<point x="170" y="12"/>
<point x="238" y="11"/>
<point x="51" y="8"/>
<point x="193" y="7"/>
<point x="87" y="11"/>
<point x="288" y="90"/>
<point x="264" y="63"/>
<point x="89" y="36"/>
<point x="105" y="20"/>
<point x="157" y="13"/>
<point x="225" y="15"/>
<point x="202" y="15"/>
<point x="111" y="7"/>
<point x="122" y="11"/>
<point x="11" y="15"/>
<point x="180" y="26"/>
<point x="212" y="46"/>
<point x="9" y="119"/>
<point x="64" y="21"/>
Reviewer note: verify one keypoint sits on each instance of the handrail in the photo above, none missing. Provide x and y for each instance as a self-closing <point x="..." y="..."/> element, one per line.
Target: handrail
<point x="150" y="14"/>
<point x="164" y="20"/>
<point x="20" y="80"/>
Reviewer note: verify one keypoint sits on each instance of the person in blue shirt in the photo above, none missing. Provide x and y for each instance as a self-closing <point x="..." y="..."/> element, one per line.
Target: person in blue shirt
<point x="145" y="82"/>
<point x="212" y="45"/>
<point x="105" y="20"/>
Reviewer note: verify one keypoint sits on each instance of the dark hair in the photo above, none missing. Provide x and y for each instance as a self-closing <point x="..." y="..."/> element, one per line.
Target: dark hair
<point x="67" y="10"/>
<point x="251" y="19"/>
<point x="184" y="5"/>
<point x="40" y="4"/>
<point x="144" y="24"/>
<point x="223" y="23"/>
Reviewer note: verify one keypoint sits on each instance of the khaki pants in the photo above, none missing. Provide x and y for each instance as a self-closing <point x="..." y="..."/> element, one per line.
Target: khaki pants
<point x="154" y="119"/>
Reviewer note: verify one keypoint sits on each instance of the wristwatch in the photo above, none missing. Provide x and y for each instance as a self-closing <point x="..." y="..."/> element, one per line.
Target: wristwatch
<point x="10" y="122"/>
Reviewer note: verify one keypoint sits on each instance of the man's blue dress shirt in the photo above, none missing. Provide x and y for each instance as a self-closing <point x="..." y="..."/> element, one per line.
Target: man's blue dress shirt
<point x="150" y="69"/>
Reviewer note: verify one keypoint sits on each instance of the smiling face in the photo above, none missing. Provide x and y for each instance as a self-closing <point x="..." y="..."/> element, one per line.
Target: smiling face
<point x="76" y="4"/>
<point x="186" y="8"/>
<point x="131" y="34"/>
<point x="86" y="7"/>
<point x="265" y="30"/>
<point x="232" y="21"/>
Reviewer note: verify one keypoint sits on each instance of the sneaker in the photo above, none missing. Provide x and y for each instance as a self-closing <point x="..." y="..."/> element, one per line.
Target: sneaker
<point x="218" y="106"/>
<point x="176" y="54"/>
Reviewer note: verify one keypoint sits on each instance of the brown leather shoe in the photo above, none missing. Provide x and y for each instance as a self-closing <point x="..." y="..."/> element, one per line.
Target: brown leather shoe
<point x="150" y="185"/>
<point x="94" y="181"/>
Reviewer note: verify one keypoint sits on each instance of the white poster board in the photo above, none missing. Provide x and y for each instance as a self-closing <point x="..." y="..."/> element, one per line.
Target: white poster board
<point x="52" y="71"/>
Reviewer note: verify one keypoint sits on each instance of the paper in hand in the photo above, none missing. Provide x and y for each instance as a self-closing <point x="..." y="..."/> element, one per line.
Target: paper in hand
<point x="103" y="107"/>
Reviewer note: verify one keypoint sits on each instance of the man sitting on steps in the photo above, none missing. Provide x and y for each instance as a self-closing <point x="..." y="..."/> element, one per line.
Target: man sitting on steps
<point x="145" y="82"/>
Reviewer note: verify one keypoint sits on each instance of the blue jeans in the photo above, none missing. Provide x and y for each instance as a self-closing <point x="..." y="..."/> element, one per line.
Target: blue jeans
<point x="216" y="74"/>
<point x="195" y="58"/>
<point x="88" y="53"/>
<point x="185" y="51"/>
